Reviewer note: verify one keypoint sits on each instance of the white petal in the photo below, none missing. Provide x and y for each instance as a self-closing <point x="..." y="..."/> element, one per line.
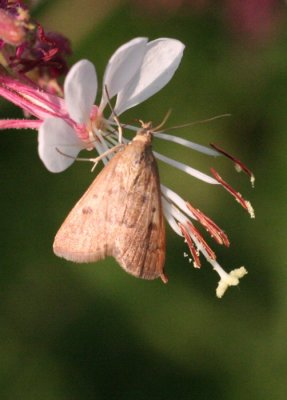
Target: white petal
<point x="80" y="90"/>
<point x="55" y="134"/>
<point x="187" y="143"/>
<point x="187" y="169"/>
<point x="177" y="200"/>
<point x="122" y="67"/>
<point x="167" y="210"/>
<point x="159" y="64"/>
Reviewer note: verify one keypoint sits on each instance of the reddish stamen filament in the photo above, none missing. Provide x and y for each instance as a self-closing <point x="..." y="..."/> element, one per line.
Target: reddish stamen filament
<point x="244" y="203"/>
<point x="239" y="164"/>
<point x="191" y="246"/>
<point x="210" y="226"/>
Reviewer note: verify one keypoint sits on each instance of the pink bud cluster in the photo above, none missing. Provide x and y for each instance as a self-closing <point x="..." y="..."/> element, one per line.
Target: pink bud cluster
<point x="29" y="53"/>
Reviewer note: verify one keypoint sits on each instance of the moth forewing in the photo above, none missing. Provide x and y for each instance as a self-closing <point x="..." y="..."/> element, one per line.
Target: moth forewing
<point x="120" y="215"/>
<point x="140" y="245"/>
<point x="84" y="233"/>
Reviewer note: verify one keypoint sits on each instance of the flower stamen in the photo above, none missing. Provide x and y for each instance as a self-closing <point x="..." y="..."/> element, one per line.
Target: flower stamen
<point x="215" y="232"/>
<point x="238" y="197"/>
<point x="198" y="239"/>
<point x="239" y="166"/>
<point x="191" y="246"/>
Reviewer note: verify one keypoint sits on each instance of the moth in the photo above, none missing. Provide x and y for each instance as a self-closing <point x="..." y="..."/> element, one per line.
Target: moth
<point x="120" y="215"/>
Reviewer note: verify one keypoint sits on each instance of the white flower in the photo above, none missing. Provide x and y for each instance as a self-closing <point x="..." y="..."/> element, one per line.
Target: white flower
<point x="135" y="72"/>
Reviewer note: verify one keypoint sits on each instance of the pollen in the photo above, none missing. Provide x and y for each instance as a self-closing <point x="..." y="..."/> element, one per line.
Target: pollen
<point x="250" y="209"/>
<point x="231" y="279"/>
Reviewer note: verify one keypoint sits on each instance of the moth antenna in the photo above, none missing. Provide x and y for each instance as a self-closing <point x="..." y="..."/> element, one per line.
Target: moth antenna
<point x="165" y="118"/>
<point x="116" y="118"/>
<point x="93" y="160"/>
<point x="202" y="121"/>
<point x="148" y="125"/>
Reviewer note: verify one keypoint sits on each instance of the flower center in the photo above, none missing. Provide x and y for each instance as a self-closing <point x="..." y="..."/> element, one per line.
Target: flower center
<point x="97" y="129"/>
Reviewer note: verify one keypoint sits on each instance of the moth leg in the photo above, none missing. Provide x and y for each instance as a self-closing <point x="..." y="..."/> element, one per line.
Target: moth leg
<point x="103" y="155"/>
<point x="116" y="118"/>
<point x="120" y="128"/>
<point x="94" y="160"/>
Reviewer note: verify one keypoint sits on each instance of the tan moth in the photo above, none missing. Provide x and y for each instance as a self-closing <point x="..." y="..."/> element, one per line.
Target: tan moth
<point x="120" y="215"/>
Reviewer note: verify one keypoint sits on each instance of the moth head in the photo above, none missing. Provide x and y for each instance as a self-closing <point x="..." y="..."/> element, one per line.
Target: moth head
<point x="147" y="130"/>
<point x="145" y="133"/>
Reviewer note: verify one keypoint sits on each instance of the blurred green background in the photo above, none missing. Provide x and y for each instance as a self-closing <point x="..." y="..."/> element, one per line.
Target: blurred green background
<point x="70" y="332"/>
